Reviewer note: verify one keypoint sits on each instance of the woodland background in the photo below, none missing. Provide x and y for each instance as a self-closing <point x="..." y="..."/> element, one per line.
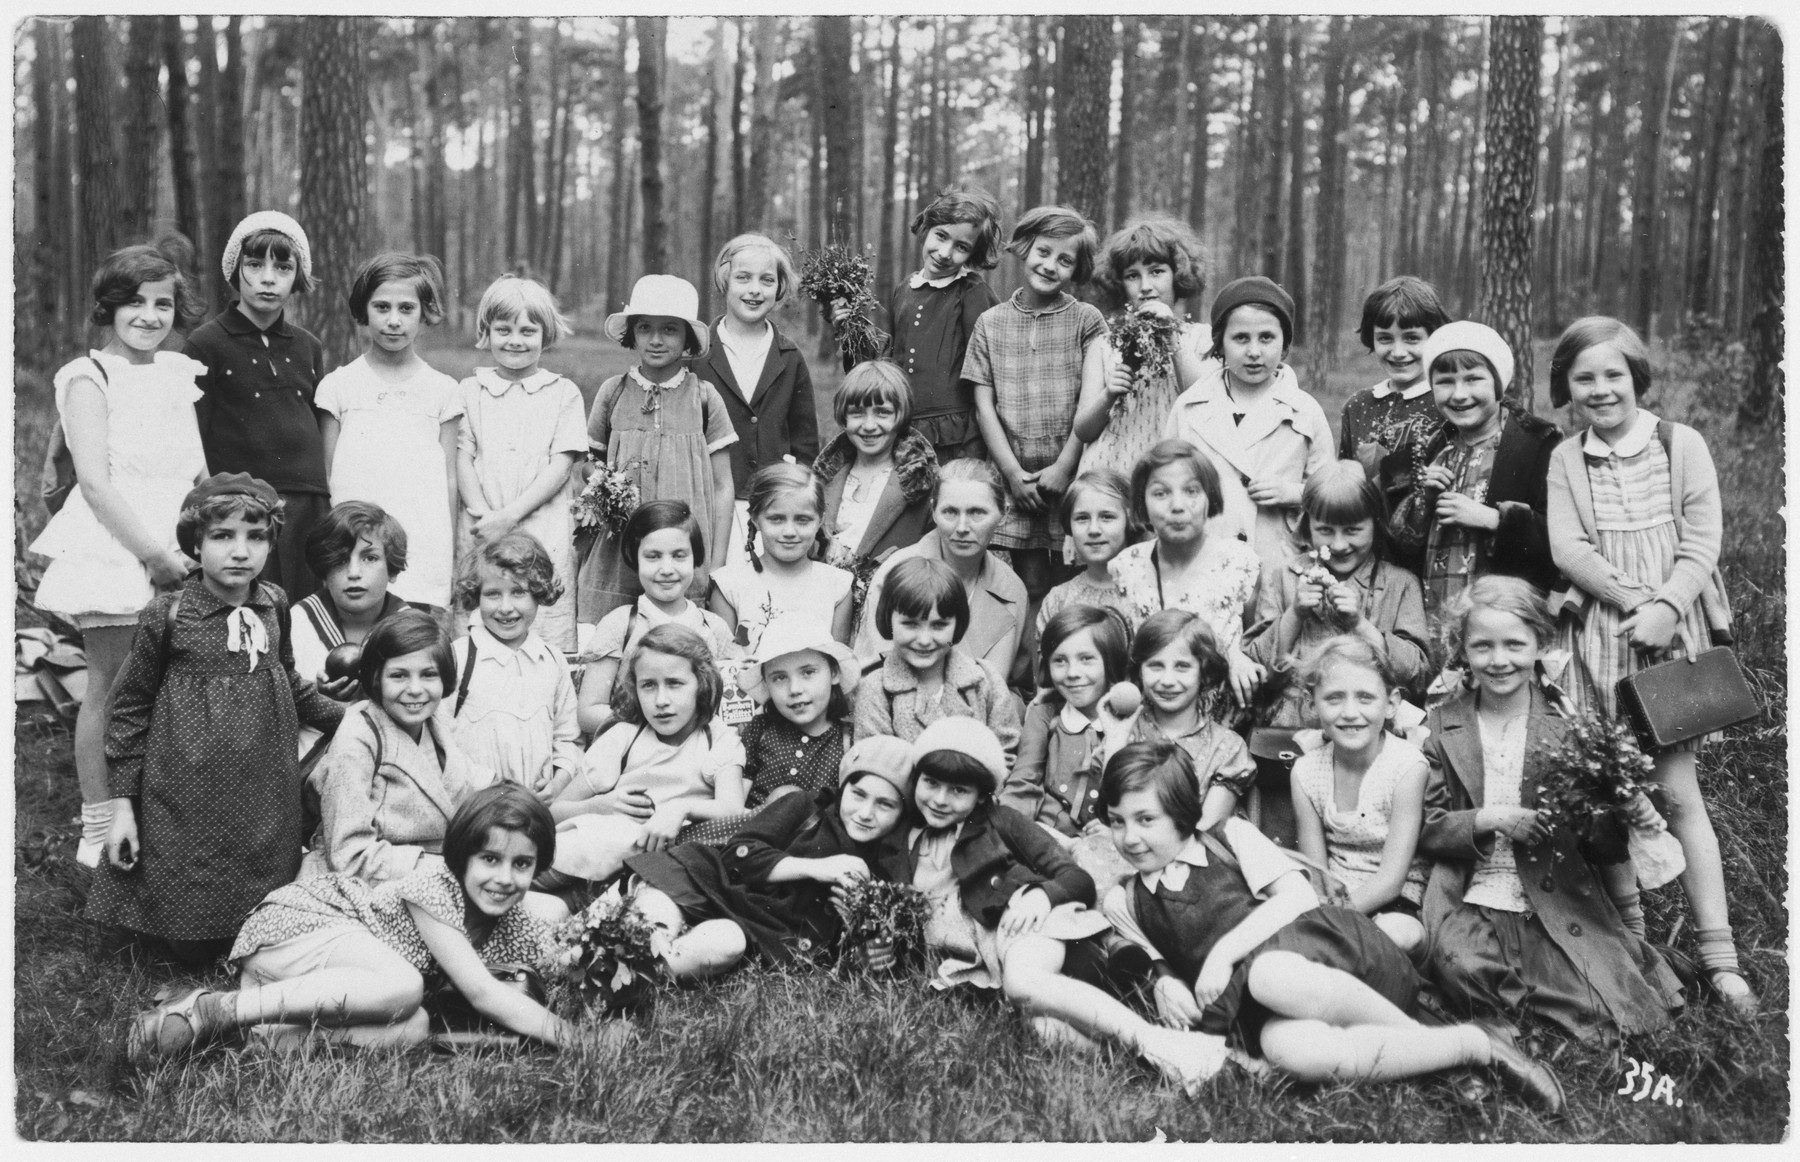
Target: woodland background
<point x="1534" y="169"/>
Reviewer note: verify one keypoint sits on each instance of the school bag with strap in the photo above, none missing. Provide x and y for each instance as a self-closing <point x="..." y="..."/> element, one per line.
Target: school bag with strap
<point x="59" y="463"/>
<point x="462" y="683"/>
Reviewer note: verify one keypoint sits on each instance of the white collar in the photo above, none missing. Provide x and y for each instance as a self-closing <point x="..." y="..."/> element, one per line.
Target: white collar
<point x="918" y="281"/>
<point x="918" y="833"/>
<point x="496" y="384"/>
<point x="1386" y="388"/>
<point x="1643" y="430"/>
<point x="1175" y="872"/>
<point x="669" y="384"/>
<point x="761" y="342"/>
<point x="1074" y="721"/>
<point x="491" y="648"/>
<point x="649" y="612"/>
<point x="1210" y="386"/>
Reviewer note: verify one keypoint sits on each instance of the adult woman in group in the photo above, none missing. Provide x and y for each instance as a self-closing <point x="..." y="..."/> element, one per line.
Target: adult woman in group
<point x="966" y="505"/>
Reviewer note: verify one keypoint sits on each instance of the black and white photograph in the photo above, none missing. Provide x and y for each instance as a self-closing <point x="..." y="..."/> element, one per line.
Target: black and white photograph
<point x="1164" y="577"/>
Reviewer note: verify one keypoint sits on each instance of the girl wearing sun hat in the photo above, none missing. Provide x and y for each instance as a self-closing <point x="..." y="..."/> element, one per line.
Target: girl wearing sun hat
<point x="664" y="427"/>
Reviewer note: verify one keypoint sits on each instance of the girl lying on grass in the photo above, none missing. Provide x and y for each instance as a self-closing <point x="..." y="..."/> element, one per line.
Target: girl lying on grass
<point x="352" y="959"/>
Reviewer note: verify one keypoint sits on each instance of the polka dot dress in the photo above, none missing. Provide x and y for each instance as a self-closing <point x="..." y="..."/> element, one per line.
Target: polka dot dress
<point x="206" y="744"/>
<point x="777" y="755"/>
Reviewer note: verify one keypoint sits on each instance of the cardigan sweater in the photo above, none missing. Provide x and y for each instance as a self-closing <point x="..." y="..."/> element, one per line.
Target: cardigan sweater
<point x="1699" y="526"/>
<point x="779" y="417"/>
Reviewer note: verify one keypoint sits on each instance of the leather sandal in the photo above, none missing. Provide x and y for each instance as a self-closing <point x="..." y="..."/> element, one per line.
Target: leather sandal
<point x="1534" y="1080"/>
<point x="152" y="1037"/>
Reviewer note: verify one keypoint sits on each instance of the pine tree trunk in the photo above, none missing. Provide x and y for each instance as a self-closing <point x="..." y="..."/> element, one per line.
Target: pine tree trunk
<point x="1083" y="109"/>
<point x="1295" y="281"/>
<point x="1278" y="35"/>
<point x="141" y="138"/>
<point x="96" y="140"/>
<point x="1515" y="51"/>
<point x="228" y="171"/>
<point x="739" y="163"/>
<point x="1465" y="260"/>
<point x="1196" y="207"/>
<point x="543" y="238"/>
<point x="1765" y="283"/>
<point x="1406" y="249"/>
<point x="46" y="184"/>
<point x="559" y="187"/>
<point x="763" y="104"/>
<point x="1646" y="176"/>
<point x="522" y="141"/>
<point x="1700" y="284"/>
<point x="1549" y="315"/>
<point x="206" y="136"/>
<point x="841" y="122"/>
<point x="334" y="172"/>
<point x="1428" y="255"/>
<point x="885" y="272"/>
<point x="1181" y="136"/>
<point x="1329" y="220"/>
<point x="182" y="157"/>
<point x="711" y="114"/>
<point x="653" y="37"/>
<point x="1129" y="73"/>
<point x="1248" y="181"/>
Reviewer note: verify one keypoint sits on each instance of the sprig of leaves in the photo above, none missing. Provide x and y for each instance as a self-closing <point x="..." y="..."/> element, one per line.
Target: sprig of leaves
<point x="840" y="274"/>
<point x="1145" y="341"/>
<point x="608" y="955"/>
<point x="879" y="910"/>
<point x="1590" y="781"/>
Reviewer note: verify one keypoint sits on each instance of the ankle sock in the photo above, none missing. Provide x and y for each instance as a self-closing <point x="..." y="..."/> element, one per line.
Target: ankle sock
<point x="1718" y="952"/>
<point x="1631" y="911"/>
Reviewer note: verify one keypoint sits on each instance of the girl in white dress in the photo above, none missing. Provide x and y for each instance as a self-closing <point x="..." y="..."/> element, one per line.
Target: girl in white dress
<point x="522" y="431"/>
<point x="390" y="426"/>
<point x="786" y="501"/>
<point x="127" y="413"/>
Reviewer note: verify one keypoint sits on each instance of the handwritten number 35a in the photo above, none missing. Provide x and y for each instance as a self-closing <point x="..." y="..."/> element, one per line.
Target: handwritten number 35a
<point x="1641" y="1077"/>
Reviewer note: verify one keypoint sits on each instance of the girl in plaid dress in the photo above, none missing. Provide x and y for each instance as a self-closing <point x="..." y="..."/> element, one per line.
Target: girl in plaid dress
<point x="1635" y="523"/>
<point x="1026" y="361"/>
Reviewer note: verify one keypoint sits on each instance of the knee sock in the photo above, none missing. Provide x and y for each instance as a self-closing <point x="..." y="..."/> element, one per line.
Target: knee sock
<point x="1631" y="911"/>
<point x="96" y="820"/>
<point x="1718" y="952"/>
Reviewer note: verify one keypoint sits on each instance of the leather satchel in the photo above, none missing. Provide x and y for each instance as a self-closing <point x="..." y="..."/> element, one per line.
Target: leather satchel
<point x="1682" y="699"/>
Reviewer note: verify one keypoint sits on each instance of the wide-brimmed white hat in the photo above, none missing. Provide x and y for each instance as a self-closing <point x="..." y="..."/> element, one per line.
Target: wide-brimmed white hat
<point x="791" y="634"/>
<point x="662" y="294"/>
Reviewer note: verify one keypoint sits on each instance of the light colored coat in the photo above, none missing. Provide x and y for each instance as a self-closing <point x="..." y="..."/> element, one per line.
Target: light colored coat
<point x="888" y="701"/>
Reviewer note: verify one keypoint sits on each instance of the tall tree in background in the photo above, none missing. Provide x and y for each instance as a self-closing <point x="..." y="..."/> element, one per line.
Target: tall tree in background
<point x="1124" y="177"/>
<point x="334" y="171"/>
<point x="765" y="41"/>
<point x="1515" y="50"/>
<point x="842" y="116"/>
<point x="1083" y="110"/>
<point x="890" y="161"/>
<point x="1279" y="36"/>
<point x="1766" y="282"/>
<point x="521" y="170"/>
<point x="141" y="138"/>
<point x="227" y="189"/>
<point x="1295" y="279"/>
<point x="652" y="39"/>
<point x="95" y="141"/>
<point x="183" y="159"/>
<point x="1550" y="273"/>
<point x="1196" y="207"/>
<point x="1036" y="111"/>
<point x="1646" y="252"/>
<point x="1328" y="222"/>
<point x="1723" y="70"/>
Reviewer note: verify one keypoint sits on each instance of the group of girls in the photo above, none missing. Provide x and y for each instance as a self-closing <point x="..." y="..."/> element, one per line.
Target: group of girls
<point x="798" y="676"/>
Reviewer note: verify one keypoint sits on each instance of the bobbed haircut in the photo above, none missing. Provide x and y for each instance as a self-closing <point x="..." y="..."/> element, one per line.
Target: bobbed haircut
<point x="1057" y="223"/>
<point x="654" y="516"/>
<point x="974" y="206"/>
<point x="674" y="641"/>
<point x="421" y="270"/>
<point x="915" y="588"/>
<point x="1503" y="594"/>
<point x="117" y="278"/>
<point x="1156" y="765"/>
<point x="1172" y="451"/>
<point x="1345" y="649"/>
<point x="1169" y="627"/>
<point x="689" y="347"/>
<point x="332" y="541"/>
<point x="1169" y="241"/>
<point x="502" y="807"/>
<point x="957" y="769"/>
<point x="1592" y="331"/>
<point x="1462" y="359"/>
<point x="1111" y="640"/>
<point x="1108" y="482"/>
<point x="785" y="278"/>
<point x="967" y="470"/>
<point x="770" y="484"/>
<point x="195" y="519"/>
<point x="1341" y="493"/>
<point x="518" y="553"/>
<point x="871" y="384"/>
<point x="405" y="631"/>
<point x="1401" y="303"/>
<point x="274" y="246"/>
<point x="513" y="296"/>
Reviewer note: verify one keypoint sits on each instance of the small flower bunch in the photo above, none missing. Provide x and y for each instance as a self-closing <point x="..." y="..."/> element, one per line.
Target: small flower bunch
<point x="1145" y="341"/>
<point x="608" y="955"/>
<point x="608" y="501"/>
<point x="1591" y="783"/>
<point x="840" y="274"/>
<point x="1318" y="573"/>
<point x="882" y="913"/>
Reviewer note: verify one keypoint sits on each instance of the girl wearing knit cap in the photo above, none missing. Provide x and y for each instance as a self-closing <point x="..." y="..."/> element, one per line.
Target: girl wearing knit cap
<point x="1478" y="505"/>
<point x="769" y="891"/>
<point x="262" y="370"/>
<point x="202" y="744"/>
<point x="1248" y="413"/>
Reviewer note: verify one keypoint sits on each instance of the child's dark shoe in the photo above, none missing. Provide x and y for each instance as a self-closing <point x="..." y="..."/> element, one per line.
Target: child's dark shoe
<point x="170" y="1029"/>
<point x="1534" y="1080"/>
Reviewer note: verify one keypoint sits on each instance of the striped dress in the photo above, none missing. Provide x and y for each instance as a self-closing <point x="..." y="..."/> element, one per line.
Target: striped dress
<point x="1635" y="521"/>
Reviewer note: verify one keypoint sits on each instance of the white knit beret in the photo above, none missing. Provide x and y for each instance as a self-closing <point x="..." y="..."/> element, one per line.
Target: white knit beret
<point x="268" y="220"/>
<point x="1468" y="336"/>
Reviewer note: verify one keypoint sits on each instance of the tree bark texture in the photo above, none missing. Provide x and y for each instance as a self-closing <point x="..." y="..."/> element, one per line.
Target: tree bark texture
<point x="1130" y="73"/>
<point x="1766" y="277"/>
<point x="1278" y="35"/>
<point x="1515" y="48"/>
<point x="652" y="37"/>
<point x="1706" y="205"/>
<point x="1083" y="109"/>
<point x="183" y="160"/>
<point x="1196" y="207"/>
<point x="1329" y="220"/>
<point x="1646" y="169"/>
<point x="228" y="173"/>
<point x="334" y="173"/>
<point x="96" y="140"/>
<point x="141" y="138"/>
<point x="841" y="114"/>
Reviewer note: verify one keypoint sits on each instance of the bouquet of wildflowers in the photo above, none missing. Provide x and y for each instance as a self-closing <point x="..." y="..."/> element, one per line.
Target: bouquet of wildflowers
<point x="1145" y="341"/>
<point x="608" y="501"/>
<point x="876" y="912"/>
<point x="839" y="274"/>
<point x="1317" y="572"/>
<point x="1591" y="782"/>
<point x="607" y="955"/>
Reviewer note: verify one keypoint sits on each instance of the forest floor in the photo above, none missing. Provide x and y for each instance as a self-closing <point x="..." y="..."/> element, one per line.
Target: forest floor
<point x="817" y="1056"/>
